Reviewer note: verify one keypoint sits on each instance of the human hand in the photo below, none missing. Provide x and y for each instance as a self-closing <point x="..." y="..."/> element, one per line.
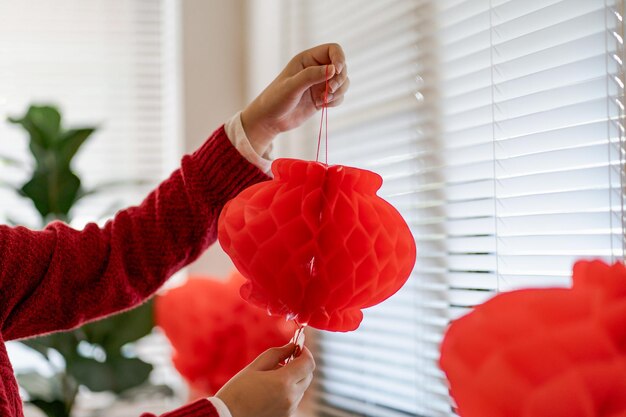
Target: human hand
<point x="296" y="94"/>
<point x="265" y="389"/>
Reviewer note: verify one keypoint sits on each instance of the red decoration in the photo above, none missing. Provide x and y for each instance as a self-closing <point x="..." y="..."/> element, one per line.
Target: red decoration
<point x="214" y="333"/>
<point x="316" y="243"/>
<point x="544" y="352"/>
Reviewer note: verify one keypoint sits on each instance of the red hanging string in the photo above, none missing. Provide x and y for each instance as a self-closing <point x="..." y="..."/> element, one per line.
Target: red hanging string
<point x="323" y="119"/>
<point x="298" y="341"/>
<point x="298" y="337"/>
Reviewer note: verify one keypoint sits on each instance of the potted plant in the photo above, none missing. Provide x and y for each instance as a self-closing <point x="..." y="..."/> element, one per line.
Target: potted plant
<point x="94" y="355"/>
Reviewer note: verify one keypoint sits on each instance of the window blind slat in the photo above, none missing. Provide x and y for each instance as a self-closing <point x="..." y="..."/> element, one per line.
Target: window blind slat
<point x="544" y="265"/>
<point x="475" y="280"/>
<point x="566" y="160"/>
<point x="566" y="180"/>
<point x="532" y="16"/>
<point x="517" y="38"/>
<point x="550" y="99"/>
<point x="473" y="50"/>
<point x="564" y="75"/>
<point x="552" y="140"/>
<point x="581" y="245"/>
<point x="562" y="223"/>
<point x="453" y="12"/>
<point x="559" y="202"/>
<point x="541" y="60"/>
<point x="552" y="119"/>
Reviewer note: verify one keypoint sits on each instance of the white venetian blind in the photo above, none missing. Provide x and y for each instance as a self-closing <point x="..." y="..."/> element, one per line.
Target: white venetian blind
<point x="498" y="129"/>
<point x="107" y="63"/>
<point x="557" y="92"/>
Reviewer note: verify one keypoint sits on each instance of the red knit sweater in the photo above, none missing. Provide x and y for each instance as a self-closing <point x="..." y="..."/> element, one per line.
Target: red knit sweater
<point x="59" y="278"/>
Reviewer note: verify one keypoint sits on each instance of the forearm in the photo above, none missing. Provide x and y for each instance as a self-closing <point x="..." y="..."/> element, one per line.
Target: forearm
<point x="58" y="278"/>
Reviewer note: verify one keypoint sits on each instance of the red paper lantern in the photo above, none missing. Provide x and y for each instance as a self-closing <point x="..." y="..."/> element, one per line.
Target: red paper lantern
<point x="213" y="332"/>
<point x="544" y="352"/>
<point x="316" y="243"/>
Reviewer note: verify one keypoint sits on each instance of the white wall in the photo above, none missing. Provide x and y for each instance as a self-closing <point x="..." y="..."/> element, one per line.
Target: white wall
<point x="213" y="54"/>
<point x="269" y="48"/>
<point x="232" y="49"/>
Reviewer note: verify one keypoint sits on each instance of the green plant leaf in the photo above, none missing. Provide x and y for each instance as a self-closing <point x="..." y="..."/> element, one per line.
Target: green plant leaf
<point x="47" y="118"/>
<point x="70" y="142"/>
<point x="52" y="192"/>
<point x="38" y="345"/>
<point x="52" y="408"/>
<point x="38" y="140"/>
<point x="114" y="332"/>
<point x="37" y="190"/>
<point x="117" y="374"/>
<point x="64" y="343"/>
<point x="40" y="387"/>
<point x="43" y="123"/>
<point x="53" y="395"/>
<point x="147" y="391"/>
<point x="67" y="189"/>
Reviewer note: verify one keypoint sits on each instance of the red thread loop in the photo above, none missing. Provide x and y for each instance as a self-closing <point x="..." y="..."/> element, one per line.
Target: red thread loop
<point x="298" y="341"/>
<point x="322" y="120"/>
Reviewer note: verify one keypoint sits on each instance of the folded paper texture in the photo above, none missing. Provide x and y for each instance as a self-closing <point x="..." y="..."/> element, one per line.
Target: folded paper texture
<point x="317" y="244"/>
<point x="213" y="332"/>
<point x="552" y="352"/>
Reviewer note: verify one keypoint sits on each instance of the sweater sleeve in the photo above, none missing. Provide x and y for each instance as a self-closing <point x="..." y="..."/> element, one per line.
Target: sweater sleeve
<point x="200" y="408"/>
<point x="58" y="278"/>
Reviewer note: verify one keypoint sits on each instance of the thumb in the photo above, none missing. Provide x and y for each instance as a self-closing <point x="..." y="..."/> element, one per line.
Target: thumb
<point x="271" y="358"/>
<point x="311" y="76"/>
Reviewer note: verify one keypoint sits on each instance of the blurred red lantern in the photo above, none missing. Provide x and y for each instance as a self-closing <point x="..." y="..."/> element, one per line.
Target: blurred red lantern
<point x="213" y="332"/>
<point x="544" y="352"/>
<point x="317" y="244"/>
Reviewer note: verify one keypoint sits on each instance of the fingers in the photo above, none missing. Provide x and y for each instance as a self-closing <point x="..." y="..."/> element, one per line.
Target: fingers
<point x="301" y="367"/>
<point x="309" y="77"/>
<point x="338" y="81"/>
<point x="337" y="86"/>
<point x="339" y="92"/>
<point x="335" y="98"/>
<point x="337" y="57"/>
<point x="328" y="53"/>
<point x="304" y="383"/>
<point x="335" y="102"/>
<point x="301" y="387"/>
<point x="271" y="358"/>
<point x="313" y="67"/>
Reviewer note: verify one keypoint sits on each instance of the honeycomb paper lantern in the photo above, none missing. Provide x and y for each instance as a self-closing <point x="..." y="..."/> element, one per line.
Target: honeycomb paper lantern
<point x="213" y="332"/>
<point x="317" y="244"/>
<point x="544" y="352"/>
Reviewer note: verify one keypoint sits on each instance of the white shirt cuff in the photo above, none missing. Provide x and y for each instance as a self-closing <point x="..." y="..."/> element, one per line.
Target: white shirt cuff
<point x="239" y="139"/>
<point x="221" y="408"/>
